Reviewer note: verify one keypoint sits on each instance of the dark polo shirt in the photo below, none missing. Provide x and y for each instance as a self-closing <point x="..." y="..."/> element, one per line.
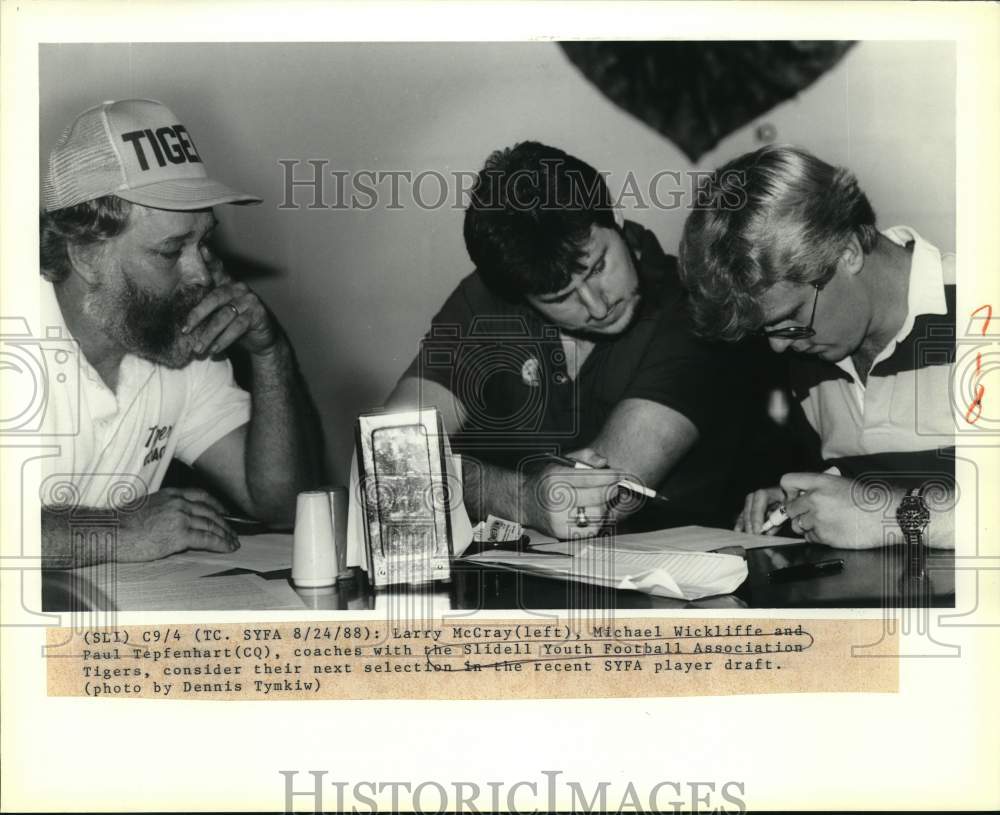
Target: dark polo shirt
<point x="507" y="366"/>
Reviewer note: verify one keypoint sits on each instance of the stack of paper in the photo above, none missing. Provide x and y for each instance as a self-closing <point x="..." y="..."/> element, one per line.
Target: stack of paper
<point x="233" y="591"/>
<point x="674" y="563"/>
<point x="699" y="539"/>
<point x="194" y="580"/>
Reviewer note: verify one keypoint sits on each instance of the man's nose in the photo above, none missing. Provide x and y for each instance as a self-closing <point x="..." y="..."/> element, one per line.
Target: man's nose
<point x="196" y="271"/>
<point x="779" y="344"/>
<point x="594" y="302"/>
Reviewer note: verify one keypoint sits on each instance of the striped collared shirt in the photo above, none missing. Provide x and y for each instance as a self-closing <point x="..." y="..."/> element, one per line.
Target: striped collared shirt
<point x="905" y="406"/>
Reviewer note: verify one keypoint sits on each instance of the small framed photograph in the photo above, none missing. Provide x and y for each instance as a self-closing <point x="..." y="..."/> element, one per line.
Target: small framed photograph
<point x="405" y="496"/>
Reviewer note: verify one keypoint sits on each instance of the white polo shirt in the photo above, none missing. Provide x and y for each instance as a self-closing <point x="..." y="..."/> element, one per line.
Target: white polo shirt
<point x="117" y="444"/>
<point x="906" y="405"/>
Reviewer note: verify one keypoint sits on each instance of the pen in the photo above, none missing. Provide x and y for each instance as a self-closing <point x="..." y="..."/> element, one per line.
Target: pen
<point x="806" y="571"/>
<point x="625" y="483"/>
<point x="566" y="461"/>
<point x="779" y="514"/>
<point x="525" y="545"/>
<point x="522" y="545"/>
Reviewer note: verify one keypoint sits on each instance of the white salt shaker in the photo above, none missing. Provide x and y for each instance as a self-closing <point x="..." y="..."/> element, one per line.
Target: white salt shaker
<point x="314" y="557"/>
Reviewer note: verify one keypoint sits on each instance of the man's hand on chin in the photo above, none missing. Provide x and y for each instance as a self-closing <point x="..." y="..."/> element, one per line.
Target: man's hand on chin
<point x="231" y="313"/>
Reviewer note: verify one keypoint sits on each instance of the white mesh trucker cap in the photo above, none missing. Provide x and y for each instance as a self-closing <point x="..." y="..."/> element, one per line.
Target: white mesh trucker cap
<point x="135" y="149"/>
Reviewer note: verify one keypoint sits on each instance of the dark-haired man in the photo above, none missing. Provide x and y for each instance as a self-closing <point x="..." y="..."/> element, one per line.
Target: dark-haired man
<point x="570" y="337"/>
<point x="130" y="276"/>
<point x="870" y="317"/>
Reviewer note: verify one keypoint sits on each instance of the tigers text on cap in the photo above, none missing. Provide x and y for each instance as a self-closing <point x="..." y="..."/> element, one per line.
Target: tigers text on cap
<point x="135" y="149"/>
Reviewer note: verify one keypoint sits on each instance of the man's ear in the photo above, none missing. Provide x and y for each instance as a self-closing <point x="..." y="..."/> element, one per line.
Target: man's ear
<point x="85" y="259"/>
<point x="852" y="259"/>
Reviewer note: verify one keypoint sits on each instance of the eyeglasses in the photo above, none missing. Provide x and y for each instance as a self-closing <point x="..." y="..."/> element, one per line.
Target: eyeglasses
<point x="796" y="332"/>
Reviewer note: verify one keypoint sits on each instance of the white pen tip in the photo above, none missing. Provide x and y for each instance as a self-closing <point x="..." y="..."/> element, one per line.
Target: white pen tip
<point x="639" y="488"/>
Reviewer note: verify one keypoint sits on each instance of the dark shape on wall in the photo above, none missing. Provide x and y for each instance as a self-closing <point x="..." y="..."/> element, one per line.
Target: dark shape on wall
<point x="697" y="93"/>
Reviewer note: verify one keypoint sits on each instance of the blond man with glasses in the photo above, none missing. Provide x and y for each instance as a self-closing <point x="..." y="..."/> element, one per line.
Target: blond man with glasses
<point x="872" y="356"/>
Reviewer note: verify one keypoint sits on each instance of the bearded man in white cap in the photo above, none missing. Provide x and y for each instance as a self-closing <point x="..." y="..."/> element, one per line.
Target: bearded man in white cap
<point x="129" y="274"/>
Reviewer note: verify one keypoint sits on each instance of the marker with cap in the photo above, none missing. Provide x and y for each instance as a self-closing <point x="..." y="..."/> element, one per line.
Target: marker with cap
<point x="779" y="514"/>
<point x="776" y="518"/>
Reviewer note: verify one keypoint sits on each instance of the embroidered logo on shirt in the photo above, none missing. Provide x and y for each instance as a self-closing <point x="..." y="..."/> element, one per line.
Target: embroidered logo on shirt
<point x="531" y="373"/>
<point x="154" y="448"/>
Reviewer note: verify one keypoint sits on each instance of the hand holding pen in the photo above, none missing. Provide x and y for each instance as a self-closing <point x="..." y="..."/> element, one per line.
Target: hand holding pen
<point x="589" y="460"/>
<point x="575" y="497"/>
<point x="765" y="510"/>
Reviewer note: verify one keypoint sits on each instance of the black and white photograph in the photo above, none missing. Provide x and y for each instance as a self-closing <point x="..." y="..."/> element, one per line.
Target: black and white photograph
<point x="605" y="392"/>
<point x="652" y="288"/>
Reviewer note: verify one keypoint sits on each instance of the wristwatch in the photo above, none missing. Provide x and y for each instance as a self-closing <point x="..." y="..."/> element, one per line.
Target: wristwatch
<point x="913" y="516"/>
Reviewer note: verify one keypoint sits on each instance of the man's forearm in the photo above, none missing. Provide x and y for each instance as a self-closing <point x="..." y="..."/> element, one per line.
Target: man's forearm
<point x="941" y="532"/>
<point x="61" y="549"/>
<point x="489" y="489"/>
<point x="284" y="450"/>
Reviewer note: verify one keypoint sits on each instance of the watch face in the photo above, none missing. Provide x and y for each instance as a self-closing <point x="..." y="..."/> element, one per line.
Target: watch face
<point x="913" y="514"/>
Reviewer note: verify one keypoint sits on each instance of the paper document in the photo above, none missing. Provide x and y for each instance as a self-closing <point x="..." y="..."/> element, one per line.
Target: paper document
<point x="243" y="591"/>
<point x="642" y="566"/>
<point x="685" y="575"/>
<point x="681" y="538"/>
<point x="260" y="553"/>
<point x="185" y="581"/>
<point x="699" y="539"/>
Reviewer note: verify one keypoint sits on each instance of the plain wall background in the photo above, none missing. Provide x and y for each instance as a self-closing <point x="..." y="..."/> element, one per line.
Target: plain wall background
<point x="355" y="290"/>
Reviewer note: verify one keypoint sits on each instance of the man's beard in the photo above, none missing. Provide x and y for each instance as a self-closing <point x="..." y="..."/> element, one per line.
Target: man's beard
<point x="144" y="324"/>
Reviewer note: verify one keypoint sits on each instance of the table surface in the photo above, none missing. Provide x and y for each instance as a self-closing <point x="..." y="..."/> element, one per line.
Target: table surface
<point x="257" y="577"/>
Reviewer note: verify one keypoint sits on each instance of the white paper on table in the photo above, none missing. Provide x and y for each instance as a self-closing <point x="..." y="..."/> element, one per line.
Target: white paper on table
<point x="260" y="553"/>
<point x="461" y="527"/>
<point x="185" y="580"/>
<point x="686" y="538"/>
<point x="236" y="592"/>
<point x="698" y="539"/>
<point x="685" y="575"/>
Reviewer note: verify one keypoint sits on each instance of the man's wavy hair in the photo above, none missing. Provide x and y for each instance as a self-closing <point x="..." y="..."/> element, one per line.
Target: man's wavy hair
<point x="530" y="216"/>
<point x="776" y="214"/>
<point x="84" y="224"/>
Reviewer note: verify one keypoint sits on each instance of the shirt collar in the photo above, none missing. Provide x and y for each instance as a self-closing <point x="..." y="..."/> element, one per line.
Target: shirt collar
<point x="925" y="294"/>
